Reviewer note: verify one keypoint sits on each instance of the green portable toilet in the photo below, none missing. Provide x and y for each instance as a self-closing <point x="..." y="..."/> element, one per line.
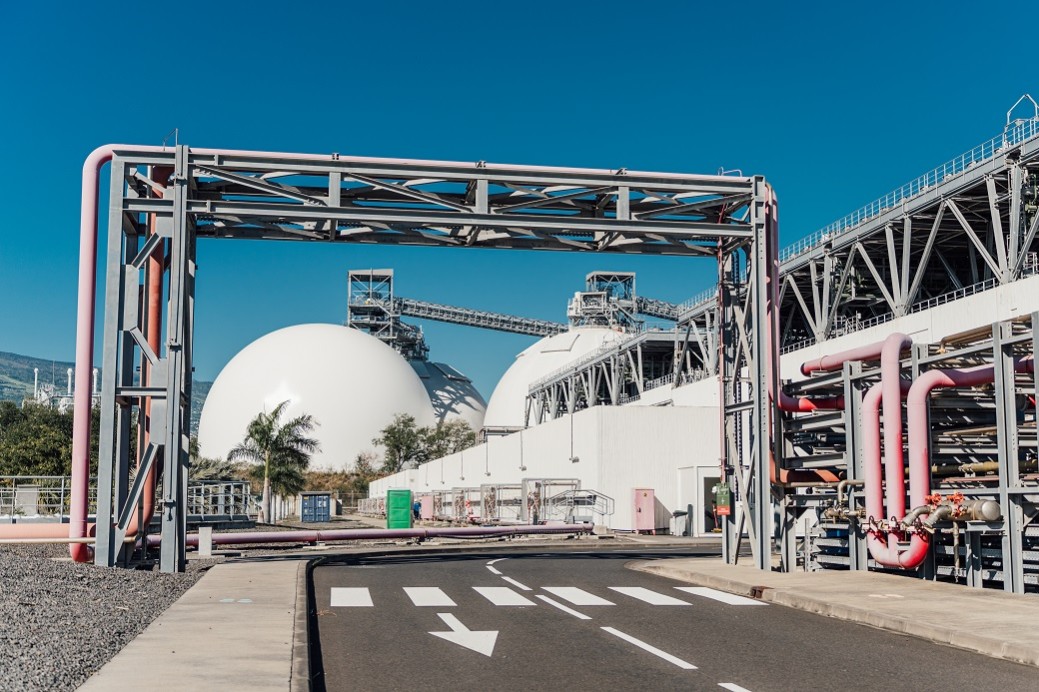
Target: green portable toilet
<point x="398" y="509"/>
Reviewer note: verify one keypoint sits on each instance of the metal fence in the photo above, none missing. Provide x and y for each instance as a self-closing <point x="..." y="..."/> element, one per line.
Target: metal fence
<point x="40" y="496"/>
<point x="220" y="500"/>
<point x="48" y="497"/>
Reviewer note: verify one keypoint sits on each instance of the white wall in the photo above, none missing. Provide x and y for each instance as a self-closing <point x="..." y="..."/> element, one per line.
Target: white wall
<point x="668" y="440"/>
<point x="619" y="449"/>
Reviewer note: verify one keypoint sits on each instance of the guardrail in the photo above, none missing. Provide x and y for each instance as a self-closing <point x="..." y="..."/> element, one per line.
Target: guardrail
<point x="40" y="496"/>
<point x="1015" y="134"/>
<point x="49" y="497"/>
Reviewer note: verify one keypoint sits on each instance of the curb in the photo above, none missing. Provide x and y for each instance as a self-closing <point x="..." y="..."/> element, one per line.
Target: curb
<point x="988" y="646"/>
<point x="299" y="675"/>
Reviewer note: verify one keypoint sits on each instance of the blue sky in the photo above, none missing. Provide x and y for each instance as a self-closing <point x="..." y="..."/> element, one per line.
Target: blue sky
<point x="834" y="103"/>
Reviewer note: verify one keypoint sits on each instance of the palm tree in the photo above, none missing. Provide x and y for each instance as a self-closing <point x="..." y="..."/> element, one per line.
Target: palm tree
<point x="282" y="452"/>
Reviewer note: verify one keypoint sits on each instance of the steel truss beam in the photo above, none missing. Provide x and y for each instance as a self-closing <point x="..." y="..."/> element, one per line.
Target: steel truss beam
<point x="248" y="195"/>
<point x="969" y="232"/>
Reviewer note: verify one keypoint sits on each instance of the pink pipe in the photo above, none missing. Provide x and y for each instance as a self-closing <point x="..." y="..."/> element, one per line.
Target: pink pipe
<point x="917" y="407"/>
<point x="891" y="382"/>
<point x="836" y="361"/>
<point x="884" y="551"/>
<point x="252" y="537"/>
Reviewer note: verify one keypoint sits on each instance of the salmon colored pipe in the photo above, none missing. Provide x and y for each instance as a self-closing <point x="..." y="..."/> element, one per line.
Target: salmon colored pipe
<point x="880" y="546"/>
<point x="311" y="536"/>
<point x="837" y="360"/>
<point x="891" y="554"/>
<point x="153" y="332"/>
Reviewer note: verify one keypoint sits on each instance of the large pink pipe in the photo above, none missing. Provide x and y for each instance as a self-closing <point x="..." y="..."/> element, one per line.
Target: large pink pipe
<point x="919" y="461"/>
<point x="891" y="382"/>
<point x="884" y="549"/>
<point x="836" y="361"/>
<point x="253" y="537"/>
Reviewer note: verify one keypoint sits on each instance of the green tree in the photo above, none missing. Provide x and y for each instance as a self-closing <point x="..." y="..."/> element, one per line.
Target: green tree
<point x="402" y="440"/>
<point x="446" y="438"/>
<point x="212" y="469"/>
<point x="36" y="440"/>
<point x="352" y="482"/>
<point x="364" y="472"/>
<point x="279" y="452"/>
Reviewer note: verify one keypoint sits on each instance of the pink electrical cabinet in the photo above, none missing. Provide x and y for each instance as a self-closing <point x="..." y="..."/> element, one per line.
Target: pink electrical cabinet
<point x="645" y="510"/>
<point x="426" y="513"/>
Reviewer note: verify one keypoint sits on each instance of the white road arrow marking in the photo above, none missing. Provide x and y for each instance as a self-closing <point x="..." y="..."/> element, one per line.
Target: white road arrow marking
<point x="480" y="642"/>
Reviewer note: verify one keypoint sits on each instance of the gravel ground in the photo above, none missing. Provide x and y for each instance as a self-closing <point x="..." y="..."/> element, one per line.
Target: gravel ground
<point x="61" y="621"/>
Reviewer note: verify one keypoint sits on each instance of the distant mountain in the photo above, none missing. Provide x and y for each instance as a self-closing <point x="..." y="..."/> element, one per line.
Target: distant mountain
<point x="16" y="375"/>
<point x="16" y="381"/>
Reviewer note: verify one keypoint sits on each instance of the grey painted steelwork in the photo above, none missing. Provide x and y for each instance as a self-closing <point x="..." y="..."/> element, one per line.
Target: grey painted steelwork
<point x="477" y="318"/>
<point x="656" y="308"/>
<point x="617" y="373"/>
<point x="966" y="226"/>
<point x="609" y="299"/>
<point x="372" y="307"/>
<point x="262" y="195"/>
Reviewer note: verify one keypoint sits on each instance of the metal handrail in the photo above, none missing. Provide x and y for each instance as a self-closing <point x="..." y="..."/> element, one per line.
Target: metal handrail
<point x="1014" y="134"/>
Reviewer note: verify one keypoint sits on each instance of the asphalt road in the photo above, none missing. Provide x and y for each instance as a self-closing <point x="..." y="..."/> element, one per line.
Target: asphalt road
<point x="582" y="621"/>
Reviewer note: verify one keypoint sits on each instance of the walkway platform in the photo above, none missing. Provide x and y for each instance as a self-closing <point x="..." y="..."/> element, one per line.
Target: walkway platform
<point x="989" y="622"/>
<point x="233" y="630"/>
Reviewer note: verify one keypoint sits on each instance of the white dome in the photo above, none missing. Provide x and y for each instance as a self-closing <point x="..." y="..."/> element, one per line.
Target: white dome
<point x="351" y="383"/>
<point x="451" y="393"/>
<point x="507" y="407"/>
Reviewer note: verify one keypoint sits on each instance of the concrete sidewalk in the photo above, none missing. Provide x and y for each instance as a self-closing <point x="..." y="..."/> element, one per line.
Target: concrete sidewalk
<point x="990" y="622"/>
<point x="233" y="630"/>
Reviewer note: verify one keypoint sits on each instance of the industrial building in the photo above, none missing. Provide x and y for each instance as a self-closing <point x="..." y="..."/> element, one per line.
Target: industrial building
<point x="944" y="269"/>
<point x="870" y="389"/>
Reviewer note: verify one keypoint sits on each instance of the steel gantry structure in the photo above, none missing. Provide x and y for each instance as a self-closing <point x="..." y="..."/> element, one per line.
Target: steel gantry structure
<point x="162" y="201"/>
<point x="963" y="227"/>
<point x="374" y="308"/>
<point x="967" y="226"/>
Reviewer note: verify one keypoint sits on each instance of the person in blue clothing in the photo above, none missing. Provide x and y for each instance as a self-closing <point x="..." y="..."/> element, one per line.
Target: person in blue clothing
<point x="417" y="508"/>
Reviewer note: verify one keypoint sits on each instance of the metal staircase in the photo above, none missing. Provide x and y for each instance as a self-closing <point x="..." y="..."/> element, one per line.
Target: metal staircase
<point x="577" y="506"/>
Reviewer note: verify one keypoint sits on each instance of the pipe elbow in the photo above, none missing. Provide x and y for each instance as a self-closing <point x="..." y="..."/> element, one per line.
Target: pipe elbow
<point x="99" y="157"/>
